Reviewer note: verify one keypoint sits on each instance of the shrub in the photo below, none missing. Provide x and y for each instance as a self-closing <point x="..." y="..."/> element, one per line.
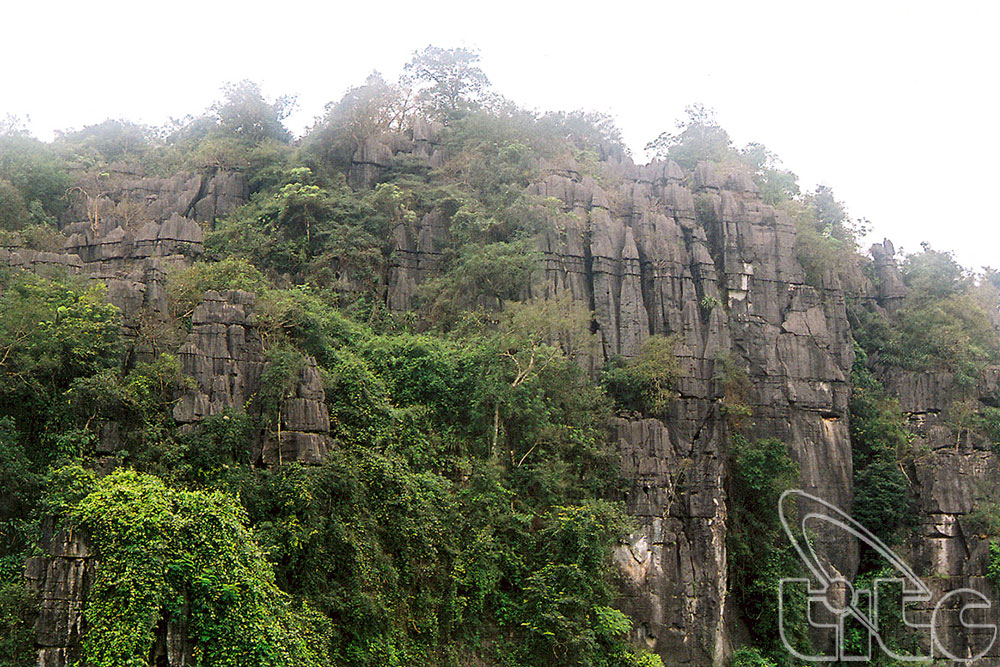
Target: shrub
<point x="760" y="554"/>
<point x="648" y="382"/>
<point x="746" y="656"/>
<point x="186" y="556"/>
<point x="13" y="212"/>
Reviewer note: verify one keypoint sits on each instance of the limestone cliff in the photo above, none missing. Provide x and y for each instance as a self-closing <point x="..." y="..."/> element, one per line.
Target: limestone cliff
<point x="654" y="251"/>
<point x="650" y="250"/>
<point x="126" y="231"/>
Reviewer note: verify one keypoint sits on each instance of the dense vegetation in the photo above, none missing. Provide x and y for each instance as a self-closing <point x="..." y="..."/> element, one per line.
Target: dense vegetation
<point x="469" y="511"/>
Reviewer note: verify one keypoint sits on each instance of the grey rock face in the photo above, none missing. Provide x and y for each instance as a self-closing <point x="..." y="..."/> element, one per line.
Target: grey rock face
<point x="375" y="153"/>
<point x="891" y="290"/>
<point x="417" y="255"/>
<point x="62" y="579"/>
<point x="708" y="262"/>
<point x="39" y="261"/>
<point x="120" y="196"/>
<point x="671" y="568"/>
<point x="954" y="473"/>
<point x="126" y="231"/>
<point x="224" y="355"/>
<point x="304" y="435"/>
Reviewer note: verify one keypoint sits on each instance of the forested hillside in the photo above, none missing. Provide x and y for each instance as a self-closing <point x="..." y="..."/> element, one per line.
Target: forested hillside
<point x="448" y="382"/>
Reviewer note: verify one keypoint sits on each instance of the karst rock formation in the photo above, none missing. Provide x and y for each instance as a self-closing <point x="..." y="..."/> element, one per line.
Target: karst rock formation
<point x="650" y="249"/>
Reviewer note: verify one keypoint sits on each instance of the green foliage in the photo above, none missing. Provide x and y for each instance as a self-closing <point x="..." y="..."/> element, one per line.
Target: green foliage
<point x="51" y="333"/>
<point x="984" y="519"/>
<point x="413" y="536"/>
<point x="482" y="276"/>
<point x="277" y="384"/>
<point x="993" y="566"/>
<point x="989" y="423"/>
<point x="776" y="184"/>
<point x="137" y="402"/>
<point x="954" y="333"/>
<point x="368" y="110"/>
<point x="568" y="619"/>
<point x="17" y="634"/>
<point x="945" y="324"/>
<point x="731" y="374"/>
<point x="746" y="656"/>
<point x="412" y="564"/>
<point x="587" y="131"/>
<point x="246" y="115"/>
<point x="298" y="229"/>
<point x="647" y="383"/>
<point x="462" y="517"/>
<point x="21" y="484"/>
<point x="449" y="79"/>
<point x="183" y="556"/>
<point x="13" y="212"/>
<point x="832" y="218"/>
<point x="110" y="141"/>
<point x="709" y="303"/>
<point x="37" y="174"/>
<point x="825" y="238"/>
<point x="879" y="445"/>
<point x="932" y="274"/>
<point x="698" y="138"/>
<point x="187" y="286"/>
<point x="760" y="554"/>
<point x="213" y="449"/>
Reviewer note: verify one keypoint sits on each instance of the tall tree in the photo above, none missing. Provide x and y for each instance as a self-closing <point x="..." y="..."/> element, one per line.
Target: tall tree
<point x="450" y="78"/>
<point x="698" y="137"/>
<point x="246" y="114"/>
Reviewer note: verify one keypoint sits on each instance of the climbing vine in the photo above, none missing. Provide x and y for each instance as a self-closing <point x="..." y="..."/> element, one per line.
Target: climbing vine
<point x="184" y="559"/>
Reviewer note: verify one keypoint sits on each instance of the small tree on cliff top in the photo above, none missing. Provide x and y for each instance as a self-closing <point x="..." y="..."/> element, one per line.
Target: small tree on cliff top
<point x="450" y="78"/>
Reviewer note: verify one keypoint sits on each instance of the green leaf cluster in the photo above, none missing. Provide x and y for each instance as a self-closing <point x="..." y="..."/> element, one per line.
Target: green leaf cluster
<point x="759" y="553"/>
<point x="186" y="559"/>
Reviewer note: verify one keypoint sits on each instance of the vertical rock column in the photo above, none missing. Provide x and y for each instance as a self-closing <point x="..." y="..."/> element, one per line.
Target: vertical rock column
<point x="62" y="578"/>
<point x="224" y="355"/>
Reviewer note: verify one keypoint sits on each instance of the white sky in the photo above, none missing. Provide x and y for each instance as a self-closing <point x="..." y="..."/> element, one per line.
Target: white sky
<point x="893" y="104"/>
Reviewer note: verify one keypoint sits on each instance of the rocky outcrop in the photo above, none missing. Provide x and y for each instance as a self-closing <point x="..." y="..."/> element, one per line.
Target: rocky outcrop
<point x="123" y="194"/>
<point x="224" y="356"/>
<point x="948" y="551"/>
<point x="418" y="255"/>
<point x="303" y="432"/>
<point x="375" y="154"/>
<point x="39" y="261"/>
<point x="127" y="230"/>
<point x="954" y="473"/>
<point x="701" y="258"/>
<point x="671" y="568"/>
<point x="109" y="249"/>
<point x="891" y="290"/>
<point x="62" y="579"/>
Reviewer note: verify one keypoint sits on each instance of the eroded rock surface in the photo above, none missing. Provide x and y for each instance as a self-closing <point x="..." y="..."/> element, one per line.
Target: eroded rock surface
<point x="62" y="579"/>
<point x="652" y="251"/>
<point x="224" y="355"/>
